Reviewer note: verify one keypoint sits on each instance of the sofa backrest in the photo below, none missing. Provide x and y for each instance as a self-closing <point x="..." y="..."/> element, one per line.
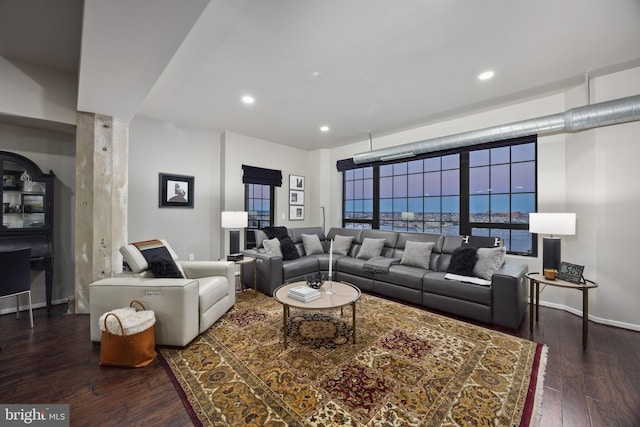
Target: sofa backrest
<point x="450" y="243"/>
<point x="437" y="239"/>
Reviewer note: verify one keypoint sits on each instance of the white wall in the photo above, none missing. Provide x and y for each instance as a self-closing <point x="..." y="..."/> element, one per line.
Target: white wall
<point x="32" y="91"/>
<point x="240" y="149"/>
<point x="50" y="151"/>
<point x="593" y="173"/>
<point x="158" y="147"/>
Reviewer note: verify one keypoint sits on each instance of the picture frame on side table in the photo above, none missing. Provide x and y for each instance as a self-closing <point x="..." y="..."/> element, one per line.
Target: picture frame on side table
<point x="296" y="213"/>
<point x="296" y="182"/>
<point x="296" y="197"/>
<point x="175" y="191"/>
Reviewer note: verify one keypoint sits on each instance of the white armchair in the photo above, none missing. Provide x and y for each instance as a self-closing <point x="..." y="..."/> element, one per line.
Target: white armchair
<point x="184" y="307"/>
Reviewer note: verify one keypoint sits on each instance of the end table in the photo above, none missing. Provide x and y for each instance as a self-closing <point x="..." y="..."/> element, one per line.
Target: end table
<point x="535" y="279"/>
<point x="248" y="260"/>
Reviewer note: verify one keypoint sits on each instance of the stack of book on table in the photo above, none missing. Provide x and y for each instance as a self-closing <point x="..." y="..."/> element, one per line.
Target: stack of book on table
<point x="304" y="293"/>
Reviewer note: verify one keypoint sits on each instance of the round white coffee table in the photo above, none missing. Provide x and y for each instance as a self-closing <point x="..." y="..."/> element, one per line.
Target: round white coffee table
<point x="344" y="294"/>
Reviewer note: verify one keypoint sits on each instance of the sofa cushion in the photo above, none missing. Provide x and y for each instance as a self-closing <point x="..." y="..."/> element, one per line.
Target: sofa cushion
<point x="434" y="282"/>
<point x="297" y="268"/>
<point x="417" y="254"/>
<point x="272" y="247"/>
<point x="489" y="261"/>
<point x="463" y="260"/>
<point x="312" y="244"/>
<point x="403" y="275"/>
<point x="341" y="244"/>
<point x="353" y="266"/>
<point x="370" y="248"/>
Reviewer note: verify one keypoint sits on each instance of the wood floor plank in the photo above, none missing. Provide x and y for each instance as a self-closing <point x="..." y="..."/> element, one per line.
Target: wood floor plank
<point x="56" y="363"/>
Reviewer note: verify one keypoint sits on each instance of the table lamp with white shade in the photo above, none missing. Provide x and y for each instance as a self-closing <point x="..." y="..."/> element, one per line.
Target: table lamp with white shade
<point x="554" y="224"/>
<point x="234" y="220"/>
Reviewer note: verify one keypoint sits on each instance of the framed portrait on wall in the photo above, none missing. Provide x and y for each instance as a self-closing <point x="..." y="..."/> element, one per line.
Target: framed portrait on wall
<point x="175" y="191"/>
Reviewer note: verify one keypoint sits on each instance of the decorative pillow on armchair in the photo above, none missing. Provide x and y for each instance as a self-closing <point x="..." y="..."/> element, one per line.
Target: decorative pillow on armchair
<point x="164" y="268"/>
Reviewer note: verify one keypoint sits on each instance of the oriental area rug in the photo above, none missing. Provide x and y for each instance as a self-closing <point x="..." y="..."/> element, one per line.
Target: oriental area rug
<point x="409" y="367"/>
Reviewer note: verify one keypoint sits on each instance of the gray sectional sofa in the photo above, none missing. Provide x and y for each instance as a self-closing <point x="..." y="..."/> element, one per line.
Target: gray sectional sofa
<point x="502" y="301"/>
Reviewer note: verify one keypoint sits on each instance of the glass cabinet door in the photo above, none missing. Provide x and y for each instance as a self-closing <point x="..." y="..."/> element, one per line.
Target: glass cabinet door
<point x="24" y="200"/>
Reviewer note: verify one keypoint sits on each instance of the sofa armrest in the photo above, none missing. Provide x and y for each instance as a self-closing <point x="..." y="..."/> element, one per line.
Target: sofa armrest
<point x="268" y="270"/>
<point x="509" y="294"/>
<point x="174" y="301"/>
<point x="197" y="269"/>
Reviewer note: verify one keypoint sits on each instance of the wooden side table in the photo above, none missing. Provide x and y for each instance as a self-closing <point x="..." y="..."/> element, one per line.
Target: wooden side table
<point x="535" y="279"/>
<point x="248" y="260"/>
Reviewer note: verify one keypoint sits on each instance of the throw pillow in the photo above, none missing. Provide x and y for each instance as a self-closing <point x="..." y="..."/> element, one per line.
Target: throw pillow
<point x="489" y="261"/>
<point x="463" y="260"/>
<point x="288" y="249"/>
<point x="370" y="248"/>
<point x="342" y="244"/>
<point x="312" y="245"/>
<point x="417" y="254"/>
<point x="272" y="247"/>
<point x="164" y="268"/>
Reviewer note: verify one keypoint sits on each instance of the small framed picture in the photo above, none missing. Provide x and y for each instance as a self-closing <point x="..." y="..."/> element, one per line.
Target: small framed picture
<point x="296" y="213"/>
<point x="296" y="197"/>
<point x="11" y="180"/>
<point x="175" y="191"/>
<point x="296" y="182"/>
<point x="33" y="203"/>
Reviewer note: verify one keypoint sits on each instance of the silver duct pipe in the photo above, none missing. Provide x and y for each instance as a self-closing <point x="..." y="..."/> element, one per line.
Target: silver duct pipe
<point x="574" y="120"/>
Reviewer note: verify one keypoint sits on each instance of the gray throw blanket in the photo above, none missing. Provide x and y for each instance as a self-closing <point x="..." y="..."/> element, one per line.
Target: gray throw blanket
<point x="379" y="264"/>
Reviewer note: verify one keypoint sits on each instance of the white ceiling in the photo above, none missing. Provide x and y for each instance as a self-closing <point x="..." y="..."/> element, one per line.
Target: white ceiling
<point x="383" y="66"/>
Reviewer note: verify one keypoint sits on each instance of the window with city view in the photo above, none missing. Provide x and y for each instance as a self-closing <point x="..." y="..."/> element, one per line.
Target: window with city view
<point x="482" y="191"/>
<point x="259" y="205"/>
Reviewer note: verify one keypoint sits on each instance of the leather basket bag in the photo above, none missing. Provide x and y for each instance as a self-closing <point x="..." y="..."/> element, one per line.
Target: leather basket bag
<point x="132" y="350"/>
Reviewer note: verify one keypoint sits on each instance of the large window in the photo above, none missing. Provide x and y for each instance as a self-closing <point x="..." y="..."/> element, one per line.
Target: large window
<point x="481" y="191"/>
<point x="259" y="206"/>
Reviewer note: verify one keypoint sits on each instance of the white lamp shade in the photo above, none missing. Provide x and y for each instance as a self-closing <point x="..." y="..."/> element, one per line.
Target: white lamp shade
<point x="234" y="219"/>
<point x="553" y="223"/>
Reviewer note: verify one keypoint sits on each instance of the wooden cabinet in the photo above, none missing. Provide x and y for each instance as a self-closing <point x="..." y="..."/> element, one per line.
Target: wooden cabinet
<point x="27" y="212"/>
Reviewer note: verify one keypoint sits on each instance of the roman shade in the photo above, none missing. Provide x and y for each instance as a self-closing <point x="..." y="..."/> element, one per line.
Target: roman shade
<point x="255" y="175"/>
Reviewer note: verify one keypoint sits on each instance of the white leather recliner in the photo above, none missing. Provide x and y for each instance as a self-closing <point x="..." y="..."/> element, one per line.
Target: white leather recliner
<point x="184" y="308"/>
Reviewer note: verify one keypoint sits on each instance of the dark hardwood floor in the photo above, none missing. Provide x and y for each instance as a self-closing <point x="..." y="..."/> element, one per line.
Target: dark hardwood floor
<point x="56" y="363"/>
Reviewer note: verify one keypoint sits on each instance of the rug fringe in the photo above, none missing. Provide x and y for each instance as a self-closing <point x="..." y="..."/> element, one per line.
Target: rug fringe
<point x="537" y="402"/>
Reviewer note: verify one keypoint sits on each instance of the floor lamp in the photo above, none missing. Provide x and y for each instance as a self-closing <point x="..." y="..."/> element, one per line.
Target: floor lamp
<point x="234" y="221"/>
<point x="552" y="224"/>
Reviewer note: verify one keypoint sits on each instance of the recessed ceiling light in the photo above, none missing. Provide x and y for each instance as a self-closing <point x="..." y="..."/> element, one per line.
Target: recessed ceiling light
<point x="486" y="75"/>
<point x="324" y="128"/>
<point x="248" y="99"/>
<point x="315" y="74"/>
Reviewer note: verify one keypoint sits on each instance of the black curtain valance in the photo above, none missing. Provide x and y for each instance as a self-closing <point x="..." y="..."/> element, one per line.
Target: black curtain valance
<point x="254" y="175"/>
